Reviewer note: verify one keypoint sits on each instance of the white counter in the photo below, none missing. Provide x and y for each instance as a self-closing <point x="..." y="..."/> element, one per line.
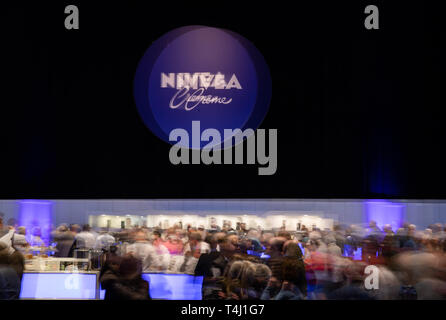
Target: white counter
<point x="85" y="285"/>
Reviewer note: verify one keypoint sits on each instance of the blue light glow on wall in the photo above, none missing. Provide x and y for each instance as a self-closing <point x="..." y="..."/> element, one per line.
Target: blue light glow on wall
<point x="384" y="212"/>
<point x="36" y="215"/>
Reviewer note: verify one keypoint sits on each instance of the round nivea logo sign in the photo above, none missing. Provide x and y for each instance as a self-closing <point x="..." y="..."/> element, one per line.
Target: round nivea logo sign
<point x="203" y="75"/>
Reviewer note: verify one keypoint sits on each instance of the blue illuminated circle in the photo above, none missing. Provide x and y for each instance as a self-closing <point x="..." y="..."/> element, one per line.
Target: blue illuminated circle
<point x="203" y="74"/>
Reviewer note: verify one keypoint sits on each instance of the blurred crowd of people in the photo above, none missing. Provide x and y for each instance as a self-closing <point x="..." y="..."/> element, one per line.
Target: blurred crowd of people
<point x="242" y="264"/>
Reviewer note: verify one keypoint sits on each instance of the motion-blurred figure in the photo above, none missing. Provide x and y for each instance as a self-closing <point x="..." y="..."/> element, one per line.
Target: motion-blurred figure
<point x="19" y="241"/>
<point x="144" y="251"/>
<point x="193" y="250"/>
<point x="104" y="240"/>
<point x="85" y="239"/>
<point x="12" y="265"/>
<point x="121" y="278"/>
<point x="64" y="239"/>
<point x="9" y="280"/>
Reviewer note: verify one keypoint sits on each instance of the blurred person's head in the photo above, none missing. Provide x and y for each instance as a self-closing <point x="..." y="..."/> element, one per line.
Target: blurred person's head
<point x="21" y="230"/>
<point x="248" y="274"/>
<point x="173" y="237"/>
<point x="75" y="228"/>
<point x="227" y="249"/>
<point x="292" y="250"/>
<point x="202" y="231"/>
<point x="234" y="239"/>
<point x="253" y="234"/>
<point x="245" y="245"/>
<point x="195" y="238"/>
<point x="86" y="228"/>
<point x="275" y="246"/>
<point x="387" y="228"/>
<point x="284" y="234"/>
<point x="156" y="235"/>
<point x="262" y="274"/>
<point x="412" y="229"/>
<point x="330" y="239"/>
<point x="243" y="271"/>
<point x="235" y="270"/>
<point x="140" y="236"/>
<point x="266" y="237"/>
<point x="315" y="236"/>
<point x="219" y="237"/>
<point x="211" y="240"/>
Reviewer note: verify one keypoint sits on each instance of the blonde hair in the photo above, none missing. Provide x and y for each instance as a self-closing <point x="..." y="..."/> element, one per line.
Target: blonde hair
<point x="241" y="274"/>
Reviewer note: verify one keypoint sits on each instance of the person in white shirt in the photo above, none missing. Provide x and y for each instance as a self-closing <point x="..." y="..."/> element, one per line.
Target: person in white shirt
<point x="143" y="250"/>
<point x="163" y="254"/>
<point x="332" y="247"/>
<point x="196" y="246"/>
<point x="104" y="240"/>
<point x="193" y="250"/>
<point x="6" y="242"/>
<point x="20" y="241"/>
<point x="85" y="239"/>
<point x="202" y="231"/>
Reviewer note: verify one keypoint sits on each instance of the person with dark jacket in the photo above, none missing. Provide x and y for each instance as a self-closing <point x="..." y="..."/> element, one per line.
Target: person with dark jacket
<point x="275" y="262"/>
<point x="65" y="241"/>
<point x="292" y="284"/>
<point x="9" y="280"/>
<point x="11" y="268"/>
<point x="293" y="267"/>
<point x="121" y="277"/>
<point x="212" y="266"/>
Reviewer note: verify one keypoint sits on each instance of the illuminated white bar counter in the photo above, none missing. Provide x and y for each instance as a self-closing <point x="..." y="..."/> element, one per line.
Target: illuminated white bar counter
<point x="73" y="285"/>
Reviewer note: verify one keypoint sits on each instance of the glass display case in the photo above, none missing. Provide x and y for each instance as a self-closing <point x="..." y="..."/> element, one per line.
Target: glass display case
<point x="39" y="263"/>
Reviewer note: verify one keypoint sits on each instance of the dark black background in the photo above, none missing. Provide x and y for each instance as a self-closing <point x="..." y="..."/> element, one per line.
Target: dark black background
<point x="273" y="309"/>
<point x="359" y="112"/>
